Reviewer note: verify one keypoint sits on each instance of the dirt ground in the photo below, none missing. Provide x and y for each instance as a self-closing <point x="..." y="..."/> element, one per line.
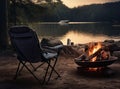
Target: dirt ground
<point x="71" y="77"/>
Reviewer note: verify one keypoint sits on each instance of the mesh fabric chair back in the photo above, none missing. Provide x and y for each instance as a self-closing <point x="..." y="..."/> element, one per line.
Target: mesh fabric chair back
<point x="26" y="44"/>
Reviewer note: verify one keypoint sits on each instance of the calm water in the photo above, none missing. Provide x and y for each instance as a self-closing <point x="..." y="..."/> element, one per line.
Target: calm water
<point x="78" y="32"/>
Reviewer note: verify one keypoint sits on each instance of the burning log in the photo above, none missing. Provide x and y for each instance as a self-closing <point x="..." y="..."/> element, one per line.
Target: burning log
<point x="82" y="57"/>
<point x="97" y="53"/>
<point x="86" y="57"/>
<point x="100" y="54"/>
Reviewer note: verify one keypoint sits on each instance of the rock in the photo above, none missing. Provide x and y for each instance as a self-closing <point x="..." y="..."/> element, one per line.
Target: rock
<point x="109" y="41"/>
<point x="117" y="43"/>
<point x="116" y="53"/>
<point x="112" y="46"/>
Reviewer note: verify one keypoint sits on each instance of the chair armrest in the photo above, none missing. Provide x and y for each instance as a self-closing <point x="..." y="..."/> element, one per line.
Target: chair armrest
<point x="54" y="47"/>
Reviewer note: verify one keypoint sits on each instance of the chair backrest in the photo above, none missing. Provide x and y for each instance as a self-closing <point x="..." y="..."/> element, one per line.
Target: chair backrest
<point x="26" y="43"/>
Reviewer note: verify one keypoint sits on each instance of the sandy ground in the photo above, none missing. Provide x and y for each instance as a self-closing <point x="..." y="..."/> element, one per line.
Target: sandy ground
<point x="71" y="77"/>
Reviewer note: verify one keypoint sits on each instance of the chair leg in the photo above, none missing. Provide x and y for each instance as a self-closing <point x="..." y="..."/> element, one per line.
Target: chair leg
<point x="19" y="70"/>
<point x="46" y="72"/>
<point x="39" y="66"/>
<point x="16" y="74"/>
<point x="30" y="71"/>
<point x="44" y="80"/>
<point x="33" y="66"/>
<point x="53" y="70"/>
<point x="30" y="64"/>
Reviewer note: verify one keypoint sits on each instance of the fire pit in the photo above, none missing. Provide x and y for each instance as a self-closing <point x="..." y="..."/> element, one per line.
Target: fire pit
<point x="102" y="63"/>
<point x="95" y="55"/>
<point x="95" y="60"/>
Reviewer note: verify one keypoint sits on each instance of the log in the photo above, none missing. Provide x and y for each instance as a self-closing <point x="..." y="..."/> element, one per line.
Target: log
<point x="98" y="54"/>
<point x="82" y="57"/>
<point x="95" y="54"/>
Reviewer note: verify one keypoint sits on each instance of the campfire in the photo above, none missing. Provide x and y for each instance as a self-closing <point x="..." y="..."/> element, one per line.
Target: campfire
<point x="95" y="57"/>
<point x="96" y="52"/>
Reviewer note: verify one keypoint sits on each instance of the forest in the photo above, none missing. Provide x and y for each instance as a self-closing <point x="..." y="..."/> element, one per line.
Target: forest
<point x="25" y="12"/>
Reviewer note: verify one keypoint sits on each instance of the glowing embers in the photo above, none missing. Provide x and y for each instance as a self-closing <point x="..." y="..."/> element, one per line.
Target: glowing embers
<point x="96" y="72"/>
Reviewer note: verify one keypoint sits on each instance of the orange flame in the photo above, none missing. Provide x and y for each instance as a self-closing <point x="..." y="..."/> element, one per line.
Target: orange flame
<point x="93" y="47"/>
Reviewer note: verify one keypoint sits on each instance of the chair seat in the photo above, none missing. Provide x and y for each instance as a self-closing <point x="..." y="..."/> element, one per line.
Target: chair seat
<point x="49" y="55"/>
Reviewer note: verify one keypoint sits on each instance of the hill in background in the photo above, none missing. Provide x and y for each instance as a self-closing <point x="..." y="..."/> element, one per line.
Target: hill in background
<point x="37" y="13"/>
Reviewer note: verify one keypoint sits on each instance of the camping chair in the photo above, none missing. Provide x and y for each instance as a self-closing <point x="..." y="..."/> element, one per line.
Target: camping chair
<point x="28" y="49"/>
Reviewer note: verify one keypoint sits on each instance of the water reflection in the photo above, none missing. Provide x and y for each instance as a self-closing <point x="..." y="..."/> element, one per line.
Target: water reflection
<point x="78" y="33"/>
<point x="77" y="37"/>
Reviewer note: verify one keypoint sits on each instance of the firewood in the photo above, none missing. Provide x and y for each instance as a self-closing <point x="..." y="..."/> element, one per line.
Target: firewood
<point x="82" y="57"/>
<point x="95" y="54"/>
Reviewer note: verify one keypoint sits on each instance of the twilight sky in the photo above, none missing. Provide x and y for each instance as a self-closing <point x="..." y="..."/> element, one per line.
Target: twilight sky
<point x="75" y="3"/>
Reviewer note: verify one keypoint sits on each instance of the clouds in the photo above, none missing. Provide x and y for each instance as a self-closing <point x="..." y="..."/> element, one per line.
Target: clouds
<point x="74" y="3"/>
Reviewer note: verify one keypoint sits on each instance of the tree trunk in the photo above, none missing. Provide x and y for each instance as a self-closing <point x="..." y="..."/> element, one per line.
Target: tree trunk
<point x="3" y="24"/>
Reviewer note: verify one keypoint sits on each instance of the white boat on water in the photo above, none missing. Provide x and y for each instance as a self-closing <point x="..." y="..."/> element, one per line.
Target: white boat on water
<point x="63" y="22"/>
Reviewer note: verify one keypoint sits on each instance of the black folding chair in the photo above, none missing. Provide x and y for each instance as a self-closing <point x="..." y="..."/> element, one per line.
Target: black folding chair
<point x="28" y="49"/>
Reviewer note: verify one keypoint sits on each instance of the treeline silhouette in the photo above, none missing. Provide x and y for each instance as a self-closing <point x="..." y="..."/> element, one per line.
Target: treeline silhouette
<point x="97" y="12"/>
<point x="31" y="12"/>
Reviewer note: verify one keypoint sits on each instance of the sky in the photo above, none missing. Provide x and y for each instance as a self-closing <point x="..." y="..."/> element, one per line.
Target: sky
<point x="76" y="3"/>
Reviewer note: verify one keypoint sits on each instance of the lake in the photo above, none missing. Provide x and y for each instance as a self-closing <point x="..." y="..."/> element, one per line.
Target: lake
<point x="78" y="32"/>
